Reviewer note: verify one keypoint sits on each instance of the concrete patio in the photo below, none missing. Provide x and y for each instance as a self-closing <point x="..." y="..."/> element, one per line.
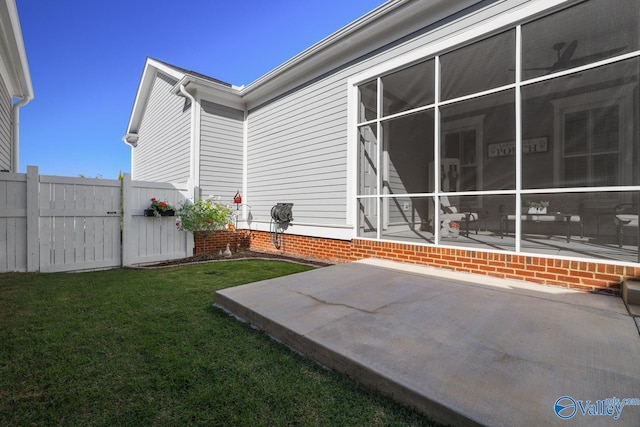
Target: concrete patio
<point x="464" y="349"/>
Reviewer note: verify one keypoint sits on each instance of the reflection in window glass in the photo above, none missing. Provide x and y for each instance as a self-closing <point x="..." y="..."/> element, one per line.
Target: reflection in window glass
<point x="580" y="35"/>
<point x="471" y="132"/>
<point x="590" y="121"/>
<point x="409" y="88"/>
<point x="368" y="105"/>
<point x="408" y="150"/>
<point x="484" y="65"/>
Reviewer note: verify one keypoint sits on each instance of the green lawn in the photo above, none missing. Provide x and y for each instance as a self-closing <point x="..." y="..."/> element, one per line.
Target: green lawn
<point x="147" y="347"/>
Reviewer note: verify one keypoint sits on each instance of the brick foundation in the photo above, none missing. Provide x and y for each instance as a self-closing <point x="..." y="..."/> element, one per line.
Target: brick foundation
<point x="212" y="243"/>
<point x="585" y="275"/>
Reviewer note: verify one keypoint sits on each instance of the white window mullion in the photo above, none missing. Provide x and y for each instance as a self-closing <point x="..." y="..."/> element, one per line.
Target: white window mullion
<point x="518" y="101"/>
<point x="379" y="161"/>
<point x="436" y="152"/>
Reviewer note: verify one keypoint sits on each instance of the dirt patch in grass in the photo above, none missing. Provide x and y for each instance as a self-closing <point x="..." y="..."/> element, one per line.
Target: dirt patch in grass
<point x="240" y="254"/>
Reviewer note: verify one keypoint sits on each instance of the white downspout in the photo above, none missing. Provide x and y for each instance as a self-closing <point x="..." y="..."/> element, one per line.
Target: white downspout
<point x="194" y="167"/>
<point x="15" y="133"/>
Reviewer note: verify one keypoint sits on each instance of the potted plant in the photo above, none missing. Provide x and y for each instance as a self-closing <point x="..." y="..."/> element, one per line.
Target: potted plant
<point x="537" y="207"/>
<point x="159" y="208"/>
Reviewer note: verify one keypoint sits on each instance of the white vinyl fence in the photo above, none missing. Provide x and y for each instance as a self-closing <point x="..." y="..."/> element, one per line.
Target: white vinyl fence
<point x="52" y="223"/>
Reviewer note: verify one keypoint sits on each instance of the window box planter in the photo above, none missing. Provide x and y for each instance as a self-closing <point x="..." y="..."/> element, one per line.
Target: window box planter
<point x="170" y="212"/>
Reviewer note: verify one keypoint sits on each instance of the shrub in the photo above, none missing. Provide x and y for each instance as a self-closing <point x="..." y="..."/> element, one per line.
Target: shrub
<point x="203" y="216"/>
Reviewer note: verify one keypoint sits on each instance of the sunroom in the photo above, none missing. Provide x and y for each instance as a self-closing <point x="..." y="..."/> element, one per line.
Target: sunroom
<point x="524" y="135"/>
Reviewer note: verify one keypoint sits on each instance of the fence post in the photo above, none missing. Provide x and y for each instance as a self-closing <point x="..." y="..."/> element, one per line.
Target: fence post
<point x="126" y="190"/>
<point x="33" y="219"/>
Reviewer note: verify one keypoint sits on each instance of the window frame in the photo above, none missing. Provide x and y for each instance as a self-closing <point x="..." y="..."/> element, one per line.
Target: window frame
<point x="590" y="101"/>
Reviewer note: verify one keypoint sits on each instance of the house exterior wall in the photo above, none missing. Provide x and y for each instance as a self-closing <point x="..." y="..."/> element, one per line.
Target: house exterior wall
<point x="297" y="153"/>
<point x="221" y="150"/>
<point x="290" y="127"/>
<point x="162" y="152"/>
<point x="5" y="127"/>
<point x="301" y="147"/>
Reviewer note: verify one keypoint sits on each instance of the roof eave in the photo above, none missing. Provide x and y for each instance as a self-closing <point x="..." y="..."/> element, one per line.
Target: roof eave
<point x="223" y="94"/>
<point x="17" y="67"/>
<point x="150" y="70"/>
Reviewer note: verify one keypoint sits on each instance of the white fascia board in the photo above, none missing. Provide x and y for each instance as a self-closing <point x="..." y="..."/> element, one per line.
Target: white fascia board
<point x="477" y="29"/>
<point x="151" y="68"/>
<point x="14" y="67"/>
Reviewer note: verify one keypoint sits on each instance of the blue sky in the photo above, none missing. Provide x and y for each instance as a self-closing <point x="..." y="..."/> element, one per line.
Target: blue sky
<point x="86" y="59"/>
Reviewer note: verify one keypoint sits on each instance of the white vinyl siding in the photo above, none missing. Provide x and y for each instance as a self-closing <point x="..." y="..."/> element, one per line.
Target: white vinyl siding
<point x="5" y="128"/>
<point x="297" y="153"/>
<point x="221" y="151"/>
<point x="162" y="152"/>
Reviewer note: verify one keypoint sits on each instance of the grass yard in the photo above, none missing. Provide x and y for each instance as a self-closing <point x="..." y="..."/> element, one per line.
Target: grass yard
<point x="147" y="347"/>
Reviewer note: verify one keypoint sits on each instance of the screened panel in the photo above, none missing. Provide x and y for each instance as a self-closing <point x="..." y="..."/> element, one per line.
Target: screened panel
<point x="590" y="121"/>
<point x="368" y="161"/>
<point x="599" y="225"/>
<point x="578" y="132"/>
<point x="476" y="221"/>
<point x="407" y="219"/>
<point x="368" y="102"/>
<point x="409" y="88"/>
<point x="368" y="217"/>
<point x="483" y="65"/>
<point x="478" y="144"/>
<point x="580" y="35"/>
<point x="408" y="151"/>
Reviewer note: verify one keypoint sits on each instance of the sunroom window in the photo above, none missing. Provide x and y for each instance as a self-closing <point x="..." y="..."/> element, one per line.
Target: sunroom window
<point x="508" y="162"/>
<point x="591" y="152"/>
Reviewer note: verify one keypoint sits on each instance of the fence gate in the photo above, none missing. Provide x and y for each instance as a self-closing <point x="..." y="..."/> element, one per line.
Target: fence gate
<point x="79" y="223"/>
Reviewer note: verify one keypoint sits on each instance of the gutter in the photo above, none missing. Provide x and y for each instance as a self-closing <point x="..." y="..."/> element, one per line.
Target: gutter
<point x="131" y="139"/>
<point x="15" y="132"/>
<point x="194" y="162"/>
